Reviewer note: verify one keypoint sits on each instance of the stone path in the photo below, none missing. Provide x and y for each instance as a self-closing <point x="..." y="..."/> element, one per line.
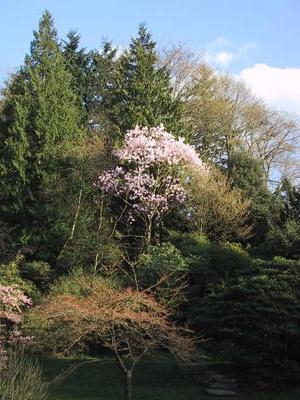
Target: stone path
<point x="220" y="385"/>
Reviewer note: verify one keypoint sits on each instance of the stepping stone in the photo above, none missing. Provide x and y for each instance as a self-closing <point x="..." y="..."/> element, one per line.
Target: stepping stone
<point x="221" y="378"/>
<point x="223" y="385"/>
<point x="219" y="392"/>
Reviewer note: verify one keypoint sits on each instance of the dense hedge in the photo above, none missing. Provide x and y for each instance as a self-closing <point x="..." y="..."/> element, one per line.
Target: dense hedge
<point x="248" y="308"/>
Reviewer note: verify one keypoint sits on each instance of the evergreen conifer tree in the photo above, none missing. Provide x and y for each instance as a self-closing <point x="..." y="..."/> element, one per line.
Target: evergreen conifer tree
<point x="246" y="173"/>
<point x="141" y="93"/>
<point x="91" y="77"/>
<point x="78" y="62"/>
<point x="40" y="117"/>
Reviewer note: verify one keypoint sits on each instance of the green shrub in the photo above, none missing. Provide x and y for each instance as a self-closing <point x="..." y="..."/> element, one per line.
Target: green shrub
<point x="38" y="272"/>
<point x="73" y="284"/>
<point x="10" y="275"/>
<point x="249" y="309"/>
<point x="162" y="270"/>
<point x="284" y="241"/>
<point x="209" y="263"/>
<point x="254" y="318"/>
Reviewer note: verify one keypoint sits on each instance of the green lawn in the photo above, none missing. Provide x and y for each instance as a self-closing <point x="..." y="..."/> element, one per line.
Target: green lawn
<point x="154" y="380"/>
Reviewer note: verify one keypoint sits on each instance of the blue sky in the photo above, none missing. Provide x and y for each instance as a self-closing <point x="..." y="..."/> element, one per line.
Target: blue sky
<point x="256" y="39"/>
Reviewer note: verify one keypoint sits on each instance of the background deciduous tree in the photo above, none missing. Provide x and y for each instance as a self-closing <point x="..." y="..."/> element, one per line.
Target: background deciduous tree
<point x="225" y="117"/>
<point x="216" y="209"/>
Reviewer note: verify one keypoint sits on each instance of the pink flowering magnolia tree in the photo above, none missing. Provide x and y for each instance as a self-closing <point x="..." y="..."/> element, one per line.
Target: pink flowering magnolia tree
<point x="148" y="176"/>
<point x="12" y="303"/>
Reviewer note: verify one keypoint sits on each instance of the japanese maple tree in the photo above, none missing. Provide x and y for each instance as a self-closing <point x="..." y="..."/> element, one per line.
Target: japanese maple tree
<point x="131" y="324"/>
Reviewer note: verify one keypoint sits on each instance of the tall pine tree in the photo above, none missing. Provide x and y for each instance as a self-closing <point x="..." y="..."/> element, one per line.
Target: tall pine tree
<point x="40" y="117"/>
<point x="78" y="64"/>
<point x="92" y="74"/>
<point x="141" y="93"/>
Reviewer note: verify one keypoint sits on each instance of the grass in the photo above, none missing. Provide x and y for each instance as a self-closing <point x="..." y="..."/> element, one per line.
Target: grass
<point x="154" y="380"/>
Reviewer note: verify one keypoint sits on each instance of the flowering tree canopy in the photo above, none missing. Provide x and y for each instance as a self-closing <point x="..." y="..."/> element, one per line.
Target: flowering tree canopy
<point x="149" y="174"/>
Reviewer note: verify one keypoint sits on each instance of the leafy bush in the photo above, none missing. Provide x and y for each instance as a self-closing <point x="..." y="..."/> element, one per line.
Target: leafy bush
<point x="209" y="263"/>
<point x="10" y="274"/>
<point x="77" y="284"/>
<point x="249" y="308"/>
<point x="162" y="270"/>
<point x="253" y="318"/>
<point x="38" y="272"/>
<point x="284" y="241"/>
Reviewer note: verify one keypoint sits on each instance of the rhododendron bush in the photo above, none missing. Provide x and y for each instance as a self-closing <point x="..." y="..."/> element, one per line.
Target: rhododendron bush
<point x="12" y="302"/>
<point x="148" y="176"/>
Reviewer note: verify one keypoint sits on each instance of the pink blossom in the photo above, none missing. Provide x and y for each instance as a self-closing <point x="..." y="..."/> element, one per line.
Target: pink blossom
<point x="12" y="299"/>
<point x="12" y="302"/>
<point x="148" y="175"/>
<point x="147" y="146"/>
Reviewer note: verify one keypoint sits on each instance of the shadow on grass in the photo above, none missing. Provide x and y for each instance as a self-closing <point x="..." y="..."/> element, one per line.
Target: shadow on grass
<point x="102" y="380"/>
<point x="153" y="380"/>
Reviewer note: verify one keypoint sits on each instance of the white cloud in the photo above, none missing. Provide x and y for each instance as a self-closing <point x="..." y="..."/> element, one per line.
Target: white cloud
<point x="279" y="87"/>
<point x="224" y="57"/>
<point x="222" y="51"/>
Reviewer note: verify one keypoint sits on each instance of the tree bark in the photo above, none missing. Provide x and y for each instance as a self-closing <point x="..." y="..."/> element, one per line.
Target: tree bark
<point x="128" y="385"/>
<point x="148" y="234"/>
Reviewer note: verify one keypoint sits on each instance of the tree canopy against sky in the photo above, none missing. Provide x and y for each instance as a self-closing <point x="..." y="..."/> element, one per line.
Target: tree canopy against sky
<point x="141" y="92"/>
<point x="40" y="115"/>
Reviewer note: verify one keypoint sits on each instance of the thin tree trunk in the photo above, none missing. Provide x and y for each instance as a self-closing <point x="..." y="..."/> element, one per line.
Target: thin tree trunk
<point x="128" y="385"/>
<point x="127" y="372"/>
<point x="148" y="234"/>
<point x="98" y="230"/>
<point x="76" y="215"/>
<point x="71" y="236"/>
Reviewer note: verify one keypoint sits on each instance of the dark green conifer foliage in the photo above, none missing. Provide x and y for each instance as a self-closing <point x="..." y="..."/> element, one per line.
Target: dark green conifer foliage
<point x="91" y="77"/>
<point x="40" y="117"/>
<point x="284" y="236"/>
<point x="246" y="174"/>
<point x="290" y="196"/>
<point x="102" y="69"/>
<point x="141" y="91"/>
<point x="77" y="62"/>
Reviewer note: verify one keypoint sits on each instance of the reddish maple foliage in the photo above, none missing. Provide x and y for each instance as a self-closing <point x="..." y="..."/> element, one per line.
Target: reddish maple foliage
<point x="129" y="323"/>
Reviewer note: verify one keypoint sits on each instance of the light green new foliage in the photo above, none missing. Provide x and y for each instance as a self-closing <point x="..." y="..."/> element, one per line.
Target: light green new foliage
<point x="162" y="270"/>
